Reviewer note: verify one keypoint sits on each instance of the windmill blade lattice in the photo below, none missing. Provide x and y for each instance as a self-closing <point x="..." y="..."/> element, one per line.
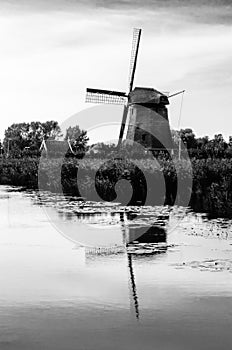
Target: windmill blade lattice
<point x="105" y="96"/>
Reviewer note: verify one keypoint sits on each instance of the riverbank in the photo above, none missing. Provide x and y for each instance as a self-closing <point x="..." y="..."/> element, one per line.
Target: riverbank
<point x="91" y="178"/>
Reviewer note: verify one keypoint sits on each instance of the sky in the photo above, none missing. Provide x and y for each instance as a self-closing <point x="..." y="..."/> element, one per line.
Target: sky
<point x="52" y="50"/>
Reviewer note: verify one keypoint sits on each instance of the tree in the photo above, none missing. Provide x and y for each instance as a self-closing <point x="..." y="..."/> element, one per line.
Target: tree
<point x="51" y="130"/>
<point x="230" y="142"/>
<point x="35" y="135"/>
<point x="78" y="138"/>
<point x="201" y="142"/>
<point x="1" y="148"/>
<point x="15" y="139"/>
<point x="219" y="145"/>
<point x="188" y="137"/>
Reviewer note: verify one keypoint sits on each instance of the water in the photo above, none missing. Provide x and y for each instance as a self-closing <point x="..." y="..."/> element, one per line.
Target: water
<point x="56" y="294"/>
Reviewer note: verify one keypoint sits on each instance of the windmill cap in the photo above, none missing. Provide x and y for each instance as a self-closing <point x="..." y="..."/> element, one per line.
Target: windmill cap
<point x="147" y="95"/>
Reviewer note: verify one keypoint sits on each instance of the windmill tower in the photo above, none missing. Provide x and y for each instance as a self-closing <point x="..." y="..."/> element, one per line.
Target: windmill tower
<point x="145" y="108"/>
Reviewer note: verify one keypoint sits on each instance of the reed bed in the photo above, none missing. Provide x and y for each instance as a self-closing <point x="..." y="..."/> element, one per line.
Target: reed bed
<point x="211" y="189"/>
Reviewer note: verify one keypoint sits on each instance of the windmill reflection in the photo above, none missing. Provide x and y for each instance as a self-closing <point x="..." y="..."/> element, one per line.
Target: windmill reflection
<point x="133" y="285"/>
<point x="135" y="235"/>
<point x="142" y="236"/>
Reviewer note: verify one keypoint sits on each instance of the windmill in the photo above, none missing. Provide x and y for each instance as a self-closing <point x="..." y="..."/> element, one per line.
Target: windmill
<point x="145" y="107"/>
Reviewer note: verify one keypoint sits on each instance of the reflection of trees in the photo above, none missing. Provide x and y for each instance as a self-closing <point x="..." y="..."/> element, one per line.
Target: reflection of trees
<point x="131" y="230"/>
<point x="144" y="234"/>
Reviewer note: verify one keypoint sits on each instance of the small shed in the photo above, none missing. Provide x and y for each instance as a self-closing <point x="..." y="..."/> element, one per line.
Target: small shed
<point x="56" y="148"/>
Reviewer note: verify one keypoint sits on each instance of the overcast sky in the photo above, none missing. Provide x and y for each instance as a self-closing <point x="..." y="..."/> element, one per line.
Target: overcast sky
<point x="52" y="50"/>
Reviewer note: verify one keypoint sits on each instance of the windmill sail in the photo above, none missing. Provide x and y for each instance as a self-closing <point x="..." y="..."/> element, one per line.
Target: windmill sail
<point x="134" y="56"/>
<point x="133" y="62"/>
<point x="123" y="124"/>
<point x="105" y="96"/>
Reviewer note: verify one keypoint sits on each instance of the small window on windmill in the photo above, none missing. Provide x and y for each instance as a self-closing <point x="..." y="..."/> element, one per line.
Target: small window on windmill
<point x="143" y="137"/>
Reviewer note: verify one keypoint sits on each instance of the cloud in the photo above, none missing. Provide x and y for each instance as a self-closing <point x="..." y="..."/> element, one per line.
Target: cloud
<point x="204" y="11"/>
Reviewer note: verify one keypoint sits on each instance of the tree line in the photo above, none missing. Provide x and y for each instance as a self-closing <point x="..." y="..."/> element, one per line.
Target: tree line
<point x="25" y="139"/>
<point x="203" y="147"/>
<point x="21" y="139"/>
